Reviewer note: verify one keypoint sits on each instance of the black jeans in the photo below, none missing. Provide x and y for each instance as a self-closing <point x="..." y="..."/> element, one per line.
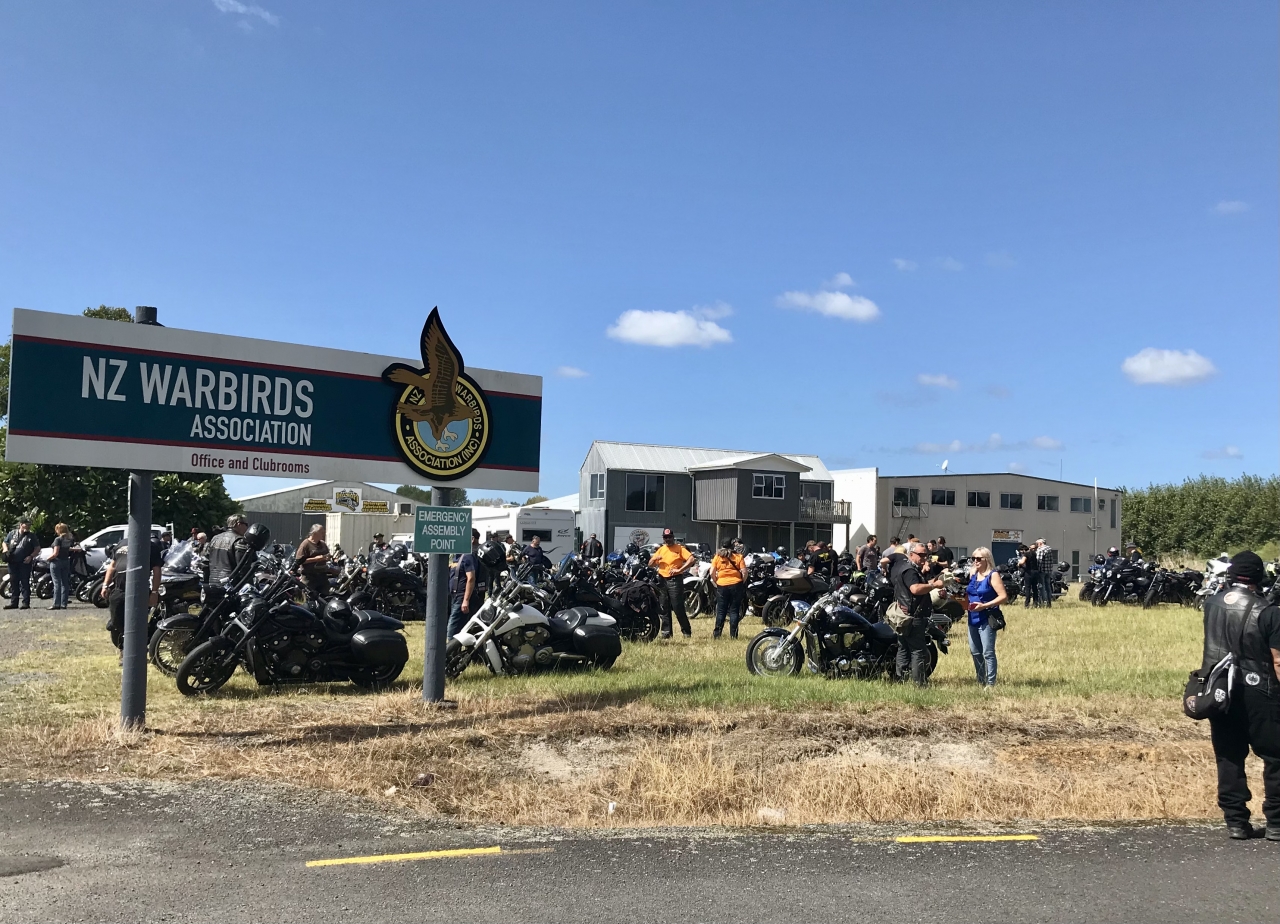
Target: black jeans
<point x="913" y="651"/>
<point x="671" y="597"/>
<point x="20" y="582"/>
<point x="1254" y="720"/>
<point x="1031" y="585"/>
<point x="729" y="601"/>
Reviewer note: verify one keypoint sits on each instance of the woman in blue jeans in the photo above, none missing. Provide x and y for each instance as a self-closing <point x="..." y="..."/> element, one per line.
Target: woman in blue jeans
<point x="60" y="566"/>
<point x="986" y="592"/>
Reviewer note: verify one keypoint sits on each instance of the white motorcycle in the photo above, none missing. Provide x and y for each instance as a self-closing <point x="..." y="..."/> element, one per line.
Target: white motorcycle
<point x="511" y="635"/>
<point x="1215" y="578"/>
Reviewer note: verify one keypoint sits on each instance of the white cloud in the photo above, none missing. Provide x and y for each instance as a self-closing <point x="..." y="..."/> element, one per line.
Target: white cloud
<point x="905" y="266"/>
<point x="1226" y="452"/>
<point x="673" y="328"/>
<point x="937" y="381"/>
<point x="1167" y="367"/>
<point x="571" y="372"/>
<point x="1017" y="467"/>
<point x="247" y="9"/>
<point x="993" y="443"/>
<point x="1000" y="259"/>
<point x="1231" y="207"/>
<point x="950" y="264"/>
<point x="832" y="304"/>
<point x="838" y="281"/>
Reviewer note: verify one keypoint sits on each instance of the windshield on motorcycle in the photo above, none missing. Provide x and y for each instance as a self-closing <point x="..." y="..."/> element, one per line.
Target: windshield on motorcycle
<point x="180" y="556"/>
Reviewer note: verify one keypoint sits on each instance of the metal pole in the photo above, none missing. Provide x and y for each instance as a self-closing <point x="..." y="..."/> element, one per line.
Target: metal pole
<point x="137" y="593"/>
<point x="437" y="614"/>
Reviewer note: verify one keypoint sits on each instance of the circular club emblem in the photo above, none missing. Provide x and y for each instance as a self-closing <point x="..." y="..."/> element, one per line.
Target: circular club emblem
<point x="1231" y="597"/>
<point x="441" y="418"/>
<point x="639" y="537"/>
<point x="1252" y="679"/>
<point x="452" y="449"/>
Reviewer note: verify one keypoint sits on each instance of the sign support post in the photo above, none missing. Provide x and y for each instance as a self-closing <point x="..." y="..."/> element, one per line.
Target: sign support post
<point x="437" y="613"/>
<point x="137" y="593"/>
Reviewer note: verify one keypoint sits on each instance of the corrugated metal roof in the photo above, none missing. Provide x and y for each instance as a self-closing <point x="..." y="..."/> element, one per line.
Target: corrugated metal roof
<point x="645" y="457"/>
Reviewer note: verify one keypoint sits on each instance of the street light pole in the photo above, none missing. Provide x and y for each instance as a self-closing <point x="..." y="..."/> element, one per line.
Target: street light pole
<point x="437" y="613"/>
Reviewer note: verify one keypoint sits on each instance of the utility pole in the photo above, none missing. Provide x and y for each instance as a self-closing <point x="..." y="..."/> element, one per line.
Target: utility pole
<point x="437" y="613"/>
<point x="137" y="592"/>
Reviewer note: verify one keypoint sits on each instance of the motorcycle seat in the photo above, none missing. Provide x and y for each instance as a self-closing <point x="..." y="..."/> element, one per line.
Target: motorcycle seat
<point x="564" y="622"/>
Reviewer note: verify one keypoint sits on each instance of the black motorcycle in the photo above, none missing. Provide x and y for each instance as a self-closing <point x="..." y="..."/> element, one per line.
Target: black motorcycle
<point x="391" y="589"/>
<point x="1122" y="582"/>
<point x="280" y="642"/>
<point x="837" y="641"/>
<point x="794" y="585"/>
<point x="632" y="604"/>
<point x="1173" y="587"/>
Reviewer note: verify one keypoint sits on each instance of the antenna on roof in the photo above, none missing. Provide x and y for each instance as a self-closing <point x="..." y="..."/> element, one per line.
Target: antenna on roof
<point x="945" y="463"/>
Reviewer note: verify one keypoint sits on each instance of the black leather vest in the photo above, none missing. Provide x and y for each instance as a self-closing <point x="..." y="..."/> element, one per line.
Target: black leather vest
<point x="1231" y="625"/>
<point x="224" y="553"/>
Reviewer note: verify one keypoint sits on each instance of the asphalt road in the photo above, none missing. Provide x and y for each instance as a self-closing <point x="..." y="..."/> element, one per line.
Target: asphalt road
<point x="217" y="852"/>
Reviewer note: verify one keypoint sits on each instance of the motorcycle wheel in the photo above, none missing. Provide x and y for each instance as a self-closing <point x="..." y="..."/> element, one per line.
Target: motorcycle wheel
<point x="693" y="604"/>
<point x="1086" y="593"/>
<point x="377" y="680"/>
<point x="644" y="628"/>
<point x="169" y="648"/>
<point x="603" y="662"/>
<point x="96" y="595"/>
<point x="4" y="587"/>
<point x="770" y="654"/>
<point x="44" y="587"/>
<point x="1152" y="597"/>
<point x="206" y="669"/>
<point x="455" y="659"/>
<point x="82" y="590"/>
<point x="777" y="612"/>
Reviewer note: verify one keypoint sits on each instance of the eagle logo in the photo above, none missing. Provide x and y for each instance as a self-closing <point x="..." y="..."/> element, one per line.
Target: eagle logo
<point x="441" y="416"/>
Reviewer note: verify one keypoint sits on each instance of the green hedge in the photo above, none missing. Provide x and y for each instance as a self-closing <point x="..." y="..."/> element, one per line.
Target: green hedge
<point x="1205" y="515"/>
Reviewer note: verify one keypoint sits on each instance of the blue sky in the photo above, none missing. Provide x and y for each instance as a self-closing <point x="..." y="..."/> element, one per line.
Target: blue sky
<point x="1018" y="236"/>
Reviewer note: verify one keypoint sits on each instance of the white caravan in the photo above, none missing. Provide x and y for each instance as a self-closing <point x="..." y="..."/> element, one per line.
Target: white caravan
<point x="554" y="526"/>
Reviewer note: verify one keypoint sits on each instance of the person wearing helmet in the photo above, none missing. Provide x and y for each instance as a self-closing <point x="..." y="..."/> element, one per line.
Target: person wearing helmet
<point x="225" y="552"/>
<point x="1113" y="555"/>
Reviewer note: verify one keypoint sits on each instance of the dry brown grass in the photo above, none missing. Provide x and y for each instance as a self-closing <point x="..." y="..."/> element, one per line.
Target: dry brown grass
<point x="559" y="752"/>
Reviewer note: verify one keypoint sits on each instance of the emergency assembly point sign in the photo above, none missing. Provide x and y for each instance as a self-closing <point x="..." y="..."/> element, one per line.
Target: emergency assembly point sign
<point x="442" y="530"/>
<point x="85" y="391"/>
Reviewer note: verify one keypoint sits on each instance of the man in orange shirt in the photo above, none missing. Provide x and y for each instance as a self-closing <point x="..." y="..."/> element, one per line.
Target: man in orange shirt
<point x="729" y="571"/>
<point x="673" y="562"/>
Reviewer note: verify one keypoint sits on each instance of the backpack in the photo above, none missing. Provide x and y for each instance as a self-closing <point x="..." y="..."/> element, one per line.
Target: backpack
<point x="1208" y="695"/>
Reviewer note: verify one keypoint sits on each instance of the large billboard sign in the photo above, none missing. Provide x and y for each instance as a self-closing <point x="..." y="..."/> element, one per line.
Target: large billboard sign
<point x="85" y="391"/>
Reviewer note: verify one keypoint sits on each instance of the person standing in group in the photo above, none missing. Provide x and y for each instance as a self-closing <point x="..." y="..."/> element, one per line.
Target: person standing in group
<point x="60" y="565"/>
<point x="943" y="555"/>
<point x="312" y="559"/>
<point x="911" y="594"/>
<point x="1030" y="566"/>
<point x="468" y="582"/>
<point x="985" y="592"/>
<point x="729" y="571"/>
<point x="20" y="549"/>
<point x="867" y="555"/>
<point x="222" y="555"/>
<point x="822" y="560"/>
<point x="592" y="549"/>
<point x="1047" y="559"/>
<point x="673" y="562"/>
<point x="535" y="555"/>
<point x="1237" y="620"/>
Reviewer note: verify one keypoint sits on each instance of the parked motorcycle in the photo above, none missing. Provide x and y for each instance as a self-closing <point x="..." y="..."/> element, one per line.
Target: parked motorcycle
<point x="392" y="590"/>
<point x="837" y="641"/>
<point x="794" y="584"/>
<point x="633" y="604"/>
<point x="699" y="589"/>
<point x="510" y="635"/>
<point x="280" y="642"/>
<point x="1172" y="587"/>
<point x="1123" y="582"/>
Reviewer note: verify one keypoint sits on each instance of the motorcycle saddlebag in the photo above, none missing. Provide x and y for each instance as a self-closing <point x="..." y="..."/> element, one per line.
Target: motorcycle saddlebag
<point x="379" y="647"/>
<point x="597" y="640"/>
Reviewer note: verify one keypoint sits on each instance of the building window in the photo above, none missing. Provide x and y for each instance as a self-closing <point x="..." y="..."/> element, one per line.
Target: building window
<point x="961" y="552"/>
<point x="1115" y="508"/>
<point x="979" y="498"/>
<point x="1011" y="501"/>
<point x="646" y="493"/>
<point x="906" y="497"/>
<point x="1082" y="505"/>
<point x="772" y="486"/>
<point x="1047" y="502"/>
<point x="943" y="498"/>
<point x="1102" y="503"/>
<point x="597" y="487"/>
<point x="404" y="510"/>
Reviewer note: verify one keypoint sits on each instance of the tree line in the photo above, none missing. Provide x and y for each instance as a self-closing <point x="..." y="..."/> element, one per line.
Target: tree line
<point x="1204" y="516"/>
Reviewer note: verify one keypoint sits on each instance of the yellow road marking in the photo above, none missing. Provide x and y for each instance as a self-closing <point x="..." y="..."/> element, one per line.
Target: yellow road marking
<point x="400" y="857"/>
<point x="938" y="838"/>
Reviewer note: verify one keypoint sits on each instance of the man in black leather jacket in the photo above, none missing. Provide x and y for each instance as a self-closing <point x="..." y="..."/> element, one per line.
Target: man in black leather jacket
<point x="225" y="552"/>
<point x="1239" y="621"/>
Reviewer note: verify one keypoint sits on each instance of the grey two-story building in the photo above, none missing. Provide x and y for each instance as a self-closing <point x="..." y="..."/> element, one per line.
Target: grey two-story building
<point x="630" y="492"/>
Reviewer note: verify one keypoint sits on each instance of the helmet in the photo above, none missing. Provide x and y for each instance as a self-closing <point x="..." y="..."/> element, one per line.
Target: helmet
<point x="1099" y="560"/>
<point x="1113" y="551"/>
<point x="338" y="614"/>
<point x="782" y="550"/>
<point x="493" y="554"/>
<point x="257" y="536"/>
